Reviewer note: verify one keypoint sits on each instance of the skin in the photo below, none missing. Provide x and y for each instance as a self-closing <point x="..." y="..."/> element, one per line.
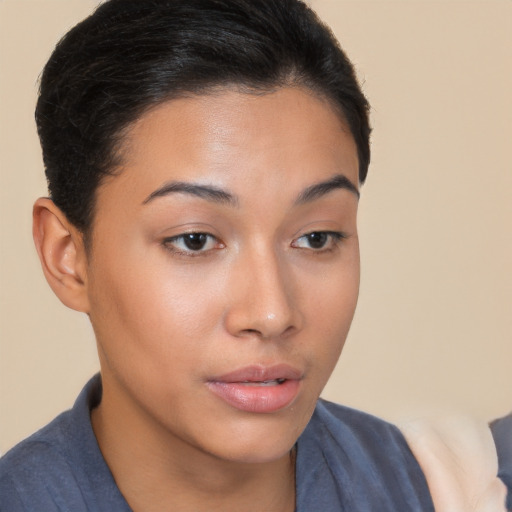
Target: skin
<point x="169" y="319"/>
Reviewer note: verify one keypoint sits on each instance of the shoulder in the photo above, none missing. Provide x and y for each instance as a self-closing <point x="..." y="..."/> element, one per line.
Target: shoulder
<point x="355" y="461"/>
<point x="61" y="467"/>
<point x="38" y="468"/>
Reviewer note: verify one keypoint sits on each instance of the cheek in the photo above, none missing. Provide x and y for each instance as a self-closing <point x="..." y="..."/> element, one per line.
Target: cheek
<point x="330" y="311"/>
<point x="145" y="311"/>
<point x="334" y="292"/>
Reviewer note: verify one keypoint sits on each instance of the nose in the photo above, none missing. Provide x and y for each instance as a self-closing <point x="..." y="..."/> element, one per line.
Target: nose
<point x="263" y="300"/>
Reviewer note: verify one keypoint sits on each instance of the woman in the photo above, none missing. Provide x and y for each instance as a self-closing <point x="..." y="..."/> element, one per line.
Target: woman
<point x="204" y="159"/>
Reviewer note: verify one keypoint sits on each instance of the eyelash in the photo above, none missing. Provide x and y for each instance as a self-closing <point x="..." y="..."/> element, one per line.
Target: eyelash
<point x="334" y="240"/>
<point x="168" y="244"/>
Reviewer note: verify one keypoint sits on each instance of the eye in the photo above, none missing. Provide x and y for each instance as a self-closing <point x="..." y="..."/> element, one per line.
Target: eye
<point x="192" y="244"/>
<point x="319" y="240"/>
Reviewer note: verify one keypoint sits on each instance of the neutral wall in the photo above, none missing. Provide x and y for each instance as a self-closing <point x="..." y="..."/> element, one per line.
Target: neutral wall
<point x="434" y="323"/>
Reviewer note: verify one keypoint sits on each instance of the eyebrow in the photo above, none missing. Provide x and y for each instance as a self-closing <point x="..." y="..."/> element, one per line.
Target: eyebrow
<point x="218" y="195"/>
<point x="207" y="192"/>
<point x="321" y="189"/>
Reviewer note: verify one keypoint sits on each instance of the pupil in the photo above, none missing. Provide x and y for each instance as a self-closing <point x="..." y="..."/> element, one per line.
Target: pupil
<point x="195" y="241"/>
<point x="317" y="240"/>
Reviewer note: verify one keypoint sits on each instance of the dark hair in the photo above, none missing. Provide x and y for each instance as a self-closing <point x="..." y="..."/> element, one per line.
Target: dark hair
<point x="131" y="55"/>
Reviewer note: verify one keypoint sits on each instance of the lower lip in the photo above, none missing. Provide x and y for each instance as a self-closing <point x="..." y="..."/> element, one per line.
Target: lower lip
<point x="256" y="398"/>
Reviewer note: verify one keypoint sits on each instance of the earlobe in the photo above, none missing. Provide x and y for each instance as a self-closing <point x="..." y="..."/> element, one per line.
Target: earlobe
<point x="62" y="254"/>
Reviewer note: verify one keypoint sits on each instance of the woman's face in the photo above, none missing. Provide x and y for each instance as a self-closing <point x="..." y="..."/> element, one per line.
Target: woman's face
<point x="224" y="269"/>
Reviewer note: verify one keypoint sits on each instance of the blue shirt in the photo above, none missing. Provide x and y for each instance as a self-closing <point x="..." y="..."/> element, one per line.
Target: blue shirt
<point x="346" y="461"/>
<point x="502" y="433"/>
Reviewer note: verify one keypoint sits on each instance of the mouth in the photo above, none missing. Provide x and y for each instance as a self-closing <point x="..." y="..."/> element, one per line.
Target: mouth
<point x="273" y="382"/>
<point x="258" y="389"/>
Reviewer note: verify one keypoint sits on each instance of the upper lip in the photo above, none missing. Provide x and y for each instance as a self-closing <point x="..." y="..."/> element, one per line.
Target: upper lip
<point x="260" y="373"/>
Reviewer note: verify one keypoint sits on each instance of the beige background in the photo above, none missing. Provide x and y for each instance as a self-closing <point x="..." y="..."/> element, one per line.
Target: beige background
<point x="434" y="324"/>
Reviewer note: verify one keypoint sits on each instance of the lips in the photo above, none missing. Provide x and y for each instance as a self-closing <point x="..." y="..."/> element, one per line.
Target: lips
<point x="258" y="389"/>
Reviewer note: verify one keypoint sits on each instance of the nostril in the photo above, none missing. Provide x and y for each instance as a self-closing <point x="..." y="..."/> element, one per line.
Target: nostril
<point x="253" y="331"/>
<point x="267" y="335"/>
<point x="288" y="330"/>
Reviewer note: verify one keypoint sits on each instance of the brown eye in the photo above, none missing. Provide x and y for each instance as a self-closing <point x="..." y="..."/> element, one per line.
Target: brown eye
<point x="319" y="240"/>
<point x="192" y="243"/>
<point x="195" y="241"/>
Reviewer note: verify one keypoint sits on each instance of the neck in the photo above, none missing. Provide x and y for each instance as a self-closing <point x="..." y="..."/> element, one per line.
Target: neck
<point x="155" y="471"/>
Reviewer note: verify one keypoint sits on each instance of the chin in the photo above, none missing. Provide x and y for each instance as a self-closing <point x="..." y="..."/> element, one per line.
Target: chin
<point x="260" y="443"/>
<point x="259" y="454"/>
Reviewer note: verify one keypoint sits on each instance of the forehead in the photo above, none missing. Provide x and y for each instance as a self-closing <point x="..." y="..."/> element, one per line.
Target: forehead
<point x="287" y="139"/>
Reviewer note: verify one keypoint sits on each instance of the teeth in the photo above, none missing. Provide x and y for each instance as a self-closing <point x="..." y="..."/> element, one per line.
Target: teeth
<point x="273" y="382"/>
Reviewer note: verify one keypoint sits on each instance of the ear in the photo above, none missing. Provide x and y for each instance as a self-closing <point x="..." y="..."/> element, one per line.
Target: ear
<point x="61" y="250"/>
